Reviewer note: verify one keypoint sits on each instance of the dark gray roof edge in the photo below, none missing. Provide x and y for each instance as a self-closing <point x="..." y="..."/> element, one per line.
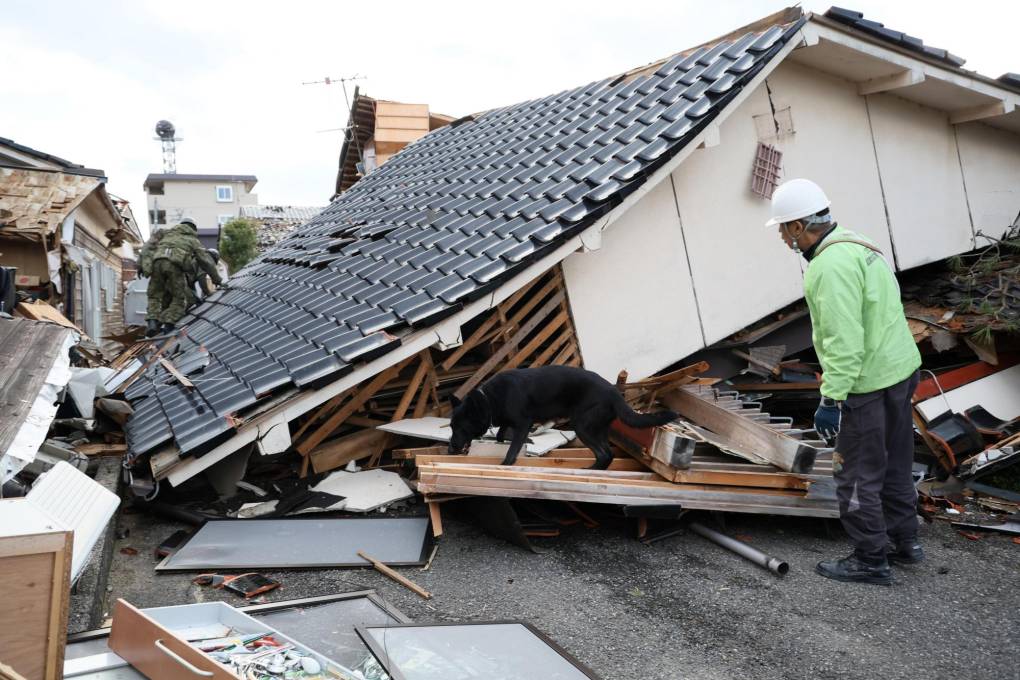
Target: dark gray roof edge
<point x="66" y="165"/>
<point x="1004" y="81"/>
<point x="191" y="177"/>
<point x="74" y="170"/>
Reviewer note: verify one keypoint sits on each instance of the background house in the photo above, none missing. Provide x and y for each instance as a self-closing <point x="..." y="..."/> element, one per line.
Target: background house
<point x="211" y="200"/>
<point x="66" y="236"/>
<point x="274" y="222"/>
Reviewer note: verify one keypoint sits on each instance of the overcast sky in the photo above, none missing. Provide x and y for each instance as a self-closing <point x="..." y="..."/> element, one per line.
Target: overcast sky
<point x="88" y="80"/>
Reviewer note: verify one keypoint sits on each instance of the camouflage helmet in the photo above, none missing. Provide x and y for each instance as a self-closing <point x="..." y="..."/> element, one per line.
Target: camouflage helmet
<point x="189" y="221"/>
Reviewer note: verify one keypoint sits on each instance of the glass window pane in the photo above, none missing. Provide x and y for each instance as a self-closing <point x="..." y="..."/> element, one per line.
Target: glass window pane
<point x="503" y="651"/>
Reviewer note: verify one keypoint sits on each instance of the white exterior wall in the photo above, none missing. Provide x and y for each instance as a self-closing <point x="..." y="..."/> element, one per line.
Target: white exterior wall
<point x="923" y="184"/>
<point x="991" y="168"/>
<point x="633" y="304"/>
<point x="832" y="146"/>
<point x="197" y="200"/>
<point x="636" y="307"/>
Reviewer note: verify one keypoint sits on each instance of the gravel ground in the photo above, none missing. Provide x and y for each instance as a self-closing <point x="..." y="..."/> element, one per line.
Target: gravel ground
<point x="684" y="607"/>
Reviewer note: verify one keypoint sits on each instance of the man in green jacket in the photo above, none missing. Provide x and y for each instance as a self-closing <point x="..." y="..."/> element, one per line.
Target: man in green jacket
<point x="171" y="288"/>
<point x="869" y="373"/>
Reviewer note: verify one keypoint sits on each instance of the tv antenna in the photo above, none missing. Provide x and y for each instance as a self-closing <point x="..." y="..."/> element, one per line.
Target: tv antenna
<point x="165" y="133"/>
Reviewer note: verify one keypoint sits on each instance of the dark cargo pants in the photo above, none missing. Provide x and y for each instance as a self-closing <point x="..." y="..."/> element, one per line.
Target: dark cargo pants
<point x="877" y="498"/>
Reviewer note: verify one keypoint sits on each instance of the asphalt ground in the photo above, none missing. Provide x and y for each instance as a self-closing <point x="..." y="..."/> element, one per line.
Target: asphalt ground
<point x="681" y="607"/>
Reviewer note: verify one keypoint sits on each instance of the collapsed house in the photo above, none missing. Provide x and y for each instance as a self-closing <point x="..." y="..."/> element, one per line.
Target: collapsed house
<point x="274" y="222"/>
<point x="617" y="225"/>
<point x="65" y="239"/>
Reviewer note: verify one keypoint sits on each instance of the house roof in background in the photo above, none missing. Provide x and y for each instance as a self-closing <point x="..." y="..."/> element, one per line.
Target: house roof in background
<point x="61" y="163"/>
<point x="154" y="179"/>
<point x="444" y="222"/>
<point x="280" y="212"/>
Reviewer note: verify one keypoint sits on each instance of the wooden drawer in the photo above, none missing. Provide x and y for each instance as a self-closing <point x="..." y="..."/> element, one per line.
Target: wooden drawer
<point x="155" y="651"/>
<point x="155" y="641"/>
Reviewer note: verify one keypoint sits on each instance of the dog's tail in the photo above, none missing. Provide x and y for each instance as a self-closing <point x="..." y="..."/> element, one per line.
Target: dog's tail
<point x="634" y="419"/>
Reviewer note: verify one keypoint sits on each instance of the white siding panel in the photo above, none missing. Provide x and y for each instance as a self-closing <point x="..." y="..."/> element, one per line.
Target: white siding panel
<point x="632" y="300"/>
<point x="742" y="269"/>
<point x="923" y="184"/>
<point x="832" y="146"/>
<point x="991" y="168"/>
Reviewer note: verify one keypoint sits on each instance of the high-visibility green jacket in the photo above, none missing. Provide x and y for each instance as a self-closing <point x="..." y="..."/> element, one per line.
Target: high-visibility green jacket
<point x="858" y="327"/>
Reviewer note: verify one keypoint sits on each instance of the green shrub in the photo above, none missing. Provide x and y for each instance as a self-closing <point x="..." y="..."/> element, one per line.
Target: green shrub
<point x="238" y="243"/>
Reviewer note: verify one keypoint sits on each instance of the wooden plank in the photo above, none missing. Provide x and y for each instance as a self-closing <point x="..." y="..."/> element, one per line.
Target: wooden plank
<point x="102" y="449"/>
<point x="618" y="464"/>
<point x="565" y="353"/>
<point x="412" y="389"/>
<point x="742" y="433"/>
<point x="172" y="370"/>
<point x="323" y="411"/>
<point x="41" y="311"/>
<point x="500" y="354"/>
<point x="732" y="499"/>
<point x="554" y="346"/>
<point x="436" y="516"/>
<point x="537" y="341"/>
<point x="717" y="502"/>
<point x="402" y="580"/>
<point x="342" y="450"/>
<point x="412" y="454"/>
<point x="348" y="409"/>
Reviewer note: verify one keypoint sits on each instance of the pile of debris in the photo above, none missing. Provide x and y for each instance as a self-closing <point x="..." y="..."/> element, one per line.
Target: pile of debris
<point x="275" y="222"/>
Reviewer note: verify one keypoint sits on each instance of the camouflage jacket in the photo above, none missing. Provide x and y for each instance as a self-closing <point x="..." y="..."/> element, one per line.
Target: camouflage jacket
<point x="148" y="253"/>
<point x="181" y="246"/>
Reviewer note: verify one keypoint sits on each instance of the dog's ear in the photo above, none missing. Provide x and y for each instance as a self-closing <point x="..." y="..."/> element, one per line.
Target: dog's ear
<point x="454" y="401"/>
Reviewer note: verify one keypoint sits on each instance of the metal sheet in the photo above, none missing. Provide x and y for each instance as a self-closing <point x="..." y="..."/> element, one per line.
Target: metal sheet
<point x="301" y="543"/>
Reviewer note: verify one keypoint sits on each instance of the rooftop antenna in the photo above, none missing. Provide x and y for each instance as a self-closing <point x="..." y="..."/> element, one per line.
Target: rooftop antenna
<point x="165" y="133"/>
<point x="347" y="101"/>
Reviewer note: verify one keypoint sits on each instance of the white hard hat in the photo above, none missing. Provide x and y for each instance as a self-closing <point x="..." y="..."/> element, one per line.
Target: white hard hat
<point x="796" y="199"/>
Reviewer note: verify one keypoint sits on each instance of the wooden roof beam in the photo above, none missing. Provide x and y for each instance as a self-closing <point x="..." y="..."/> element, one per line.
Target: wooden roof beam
<point x="897" y="80"/>
<point x="999" y="108"/>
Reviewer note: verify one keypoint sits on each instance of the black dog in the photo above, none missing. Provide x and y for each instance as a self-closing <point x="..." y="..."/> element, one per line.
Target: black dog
<point x="517" y="399"/>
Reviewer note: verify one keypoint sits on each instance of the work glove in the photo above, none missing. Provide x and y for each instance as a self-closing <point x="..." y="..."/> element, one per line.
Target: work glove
<point x="827" y="419"/>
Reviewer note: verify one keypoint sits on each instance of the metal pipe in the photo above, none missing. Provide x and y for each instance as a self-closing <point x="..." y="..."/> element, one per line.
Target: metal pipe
<point x="775" y="565"/>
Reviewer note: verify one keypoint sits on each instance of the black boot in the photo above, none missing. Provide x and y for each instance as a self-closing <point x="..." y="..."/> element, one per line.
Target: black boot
<point x="853" y="569"/>
<point x="905" y="552"/>
<point x="168" y="328"/>
<point x="151" y="328"/>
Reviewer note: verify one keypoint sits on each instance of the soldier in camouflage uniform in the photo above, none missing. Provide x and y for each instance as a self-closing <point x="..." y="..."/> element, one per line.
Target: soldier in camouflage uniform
<point x="171" y="291"/>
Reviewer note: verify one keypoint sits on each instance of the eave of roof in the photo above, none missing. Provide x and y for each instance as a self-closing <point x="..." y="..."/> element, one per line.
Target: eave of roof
<point x="65" y="165"/>
<point x="154" y="179"/>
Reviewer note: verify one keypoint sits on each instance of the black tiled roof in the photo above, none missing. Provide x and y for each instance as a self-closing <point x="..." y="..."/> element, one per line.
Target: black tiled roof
<point x="856" y="20"/>
<point x="443" y="222"/>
